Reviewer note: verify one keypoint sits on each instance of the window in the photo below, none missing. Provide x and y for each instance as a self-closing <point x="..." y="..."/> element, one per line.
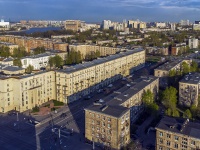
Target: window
<point x="161" y="141"/>
<point x="168" y="143"/>
<point x="160" y="148"/>
<point x="192" y="142"/>
<point x="103" y="124"/>
<point x="161" y="134"/>
<point x="175" y="145"/>
<point x="176" y="138"/>
<point x="109" y="125"/>
<point x="92" y="121"/>
<point x="109" y="119"/>
<point x="168" y="136"/>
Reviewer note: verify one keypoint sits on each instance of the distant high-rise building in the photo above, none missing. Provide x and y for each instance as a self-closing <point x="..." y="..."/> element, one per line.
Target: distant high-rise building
<point x="173" y="26"/>
<point x="106" y="24"/>
<point x="193" y="43"/>
<point x="184" y="22"/>
<point x="160" y="24"/>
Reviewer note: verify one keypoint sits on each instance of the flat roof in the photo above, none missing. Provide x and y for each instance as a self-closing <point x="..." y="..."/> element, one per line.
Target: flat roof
<point x="10" y="68"/>
<point x="180" y="126"/>
<point x="191" y="78"/>
<point x="169" y="65"/>
<point x="95" y="62"/>
<point x="120" y="96"/>
<point x="115" y="111"/>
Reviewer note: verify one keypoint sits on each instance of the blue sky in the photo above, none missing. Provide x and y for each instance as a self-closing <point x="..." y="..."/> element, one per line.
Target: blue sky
<point x="97" y="10"/>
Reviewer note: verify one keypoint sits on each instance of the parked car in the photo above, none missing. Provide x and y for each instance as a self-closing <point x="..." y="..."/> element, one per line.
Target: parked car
<point x="110" y="85"/>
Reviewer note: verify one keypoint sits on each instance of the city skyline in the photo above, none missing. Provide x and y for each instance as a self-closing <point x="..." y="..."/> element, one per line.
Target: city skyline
<point x="96" y="11"/>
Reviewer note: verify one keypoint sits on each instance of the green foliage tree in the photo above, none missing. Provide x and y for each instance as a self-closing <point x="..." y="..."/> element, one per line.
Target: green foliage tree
<point x="20" y="52"/>
<point x="187" y="114"/>
<point x="4" y="51"/>
<point x="169" y="97"/>
<point x="73" y="57"/>
<point x="185" y="68"/>
<point x="172" y="73"/>
<point x="39" y="50"/>
<point x="58" y="61"/>
<point x="194" y="67"/>
<point x="17" y="62"/>
<point x="29" y="69"/>
<point x="147" y="97"/>
<point x="51" y="61"/>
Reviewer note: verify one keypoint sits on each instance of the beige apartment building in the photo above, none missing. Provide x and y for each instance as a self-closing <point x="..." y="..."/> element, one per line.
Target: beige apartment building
<point x="31" y="43"/>
<point x="177" y="134"/>
<point x="77" y="81"/>
<point x="24" y="92"/>
<point x="116" y="111"/>
<point x="107" y="125"/>
<point x="72" y="25"/>
<point x="10" y="46"/>
<point x="87" y="49"/>
<point x="189" y="89"/>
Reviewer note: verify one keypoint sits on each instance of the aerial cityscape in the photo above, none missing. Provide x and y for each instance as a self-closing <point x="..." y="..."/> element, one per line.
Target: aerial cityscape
<point x="99" y="75"/>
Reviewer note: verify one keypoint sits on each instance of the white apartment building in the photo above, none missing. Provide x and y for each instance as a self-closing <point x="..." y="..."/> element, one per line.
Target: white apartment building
<point x="4" y="24"/>
<point x="160" y="24"/>
<point x="193" y="43"/>
<point x="106" y="24"/>
<point x="37" y="61"/>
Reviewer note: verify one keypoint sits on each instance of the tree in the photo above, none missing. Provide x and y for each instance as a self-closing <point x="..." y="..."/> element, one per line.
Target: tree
<point x="17" y="62"/>
<point x="147" y="97"/>
<point x="4" y="51"/>
<point x="194" y="67"/>
<point x="185" y="68"/>
<point x="169" y="97"/>
<point x="187" y="114"/>
<point x="58" y="61"/>
<point x="193" y="110"/>
<point x="172" y="73"/>
<point x="51" y="62"/>
<point x="29" y="69"/>
<point x="39" y="50"/>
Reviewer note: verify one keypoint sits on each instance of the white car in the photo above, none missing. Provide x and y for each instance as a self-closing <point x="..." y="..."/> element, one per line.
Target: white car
<point x="110" y="85"/>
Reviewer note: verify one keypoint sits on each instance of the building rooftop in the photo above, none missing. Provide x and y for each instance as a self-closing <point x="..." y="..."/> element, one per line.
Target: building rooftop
<point x="115" y="111"/>
<point x="39" y="56"/>
<point x="180" y="126"/>
<point x="169" y="65"/>
<point x="10" y="68"/>
<point x="191" y="78"/>
<point x="99" y="61"/>
<point x="124" y="93"/>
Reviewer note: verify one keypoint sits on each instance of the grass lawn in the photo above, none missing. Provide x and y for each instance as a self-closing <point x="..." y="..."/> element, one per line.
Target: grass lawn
<point x="35" y="109"/>
<point x="57" y="103"/>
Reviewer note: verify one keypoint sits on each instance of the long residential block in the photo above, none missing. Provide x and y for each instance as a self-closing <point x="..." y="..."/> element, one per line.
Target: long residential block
<point x="76" y="81"/>
<point x="107" y="121"/>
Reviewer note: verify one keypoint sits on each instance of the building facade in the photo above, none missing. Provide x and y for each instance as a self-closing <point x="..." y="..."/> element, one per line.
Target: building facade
<point x="193" y="43"/>
<point x="77" y="81"/>
<point x="177" y="133"/>
<point x="116" y="112"/>
<point x="37" y="61"/>
<point x="72" y="25"/>
<point x="24" y="92"/>
<point x="189" y="89"/>
<point x="108" y="125"/>
<point x="88" y="49"/>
